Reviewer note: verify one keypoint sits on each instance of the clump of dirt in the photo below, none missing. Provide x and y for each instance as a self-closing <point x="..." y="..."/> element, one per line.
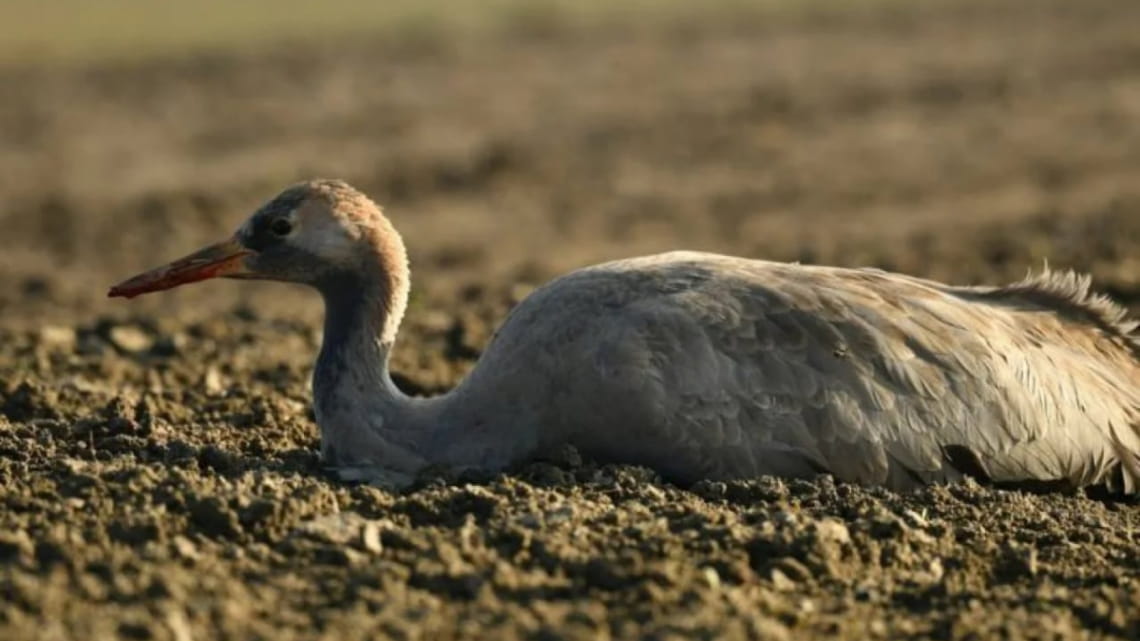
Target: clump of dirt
<point x="158" y="468"/>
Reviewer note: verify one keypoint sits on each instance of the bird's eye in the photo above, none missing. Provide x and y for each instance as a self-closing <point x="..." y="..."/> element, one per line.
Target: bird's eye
<point x="281" y="227"/>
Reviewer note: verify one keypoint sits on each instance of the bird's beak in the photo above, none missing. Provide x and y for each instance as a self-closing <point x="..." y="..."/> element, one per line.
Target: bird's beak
<point x="224" y="259"/>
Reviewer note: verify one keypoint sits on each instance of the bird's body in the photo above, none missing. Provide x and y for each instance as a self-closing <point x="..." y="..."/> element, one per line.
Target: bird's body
<point x="707" y="366"/>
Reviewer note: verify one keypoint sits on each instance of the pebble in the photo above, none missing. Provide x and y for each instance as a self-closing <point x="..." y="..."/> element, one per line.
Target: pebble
<point x="935" y="570"/>
<point x="370" y="538"/>
<point x="338" y="529"/>
<point x="179" y="627"/>
<point x="57" y="337"/>
<point x="792" y="569"/>
<point x="712" y="578"/>
<point x="212" y="381"/>
<point x="130" y="339"/>
<point x="833" y="531"/>
<point x="915" y="519"/>
<point x="780" y="581"/>
<point x="783" y="517"/>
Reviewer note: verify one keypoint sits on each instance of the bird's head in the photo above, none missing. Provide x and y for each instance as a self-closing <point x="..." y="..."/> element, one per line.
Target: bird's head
<point x="313" y="233"/>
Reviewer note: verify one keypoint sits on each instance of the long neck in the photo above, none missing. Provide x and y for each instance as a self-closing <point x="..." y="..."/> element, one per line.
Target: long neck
<point x="364" y="418"/>
<point x="358" y="336"/>
<point x="364" y="305"/>
<point x="366" y="421"/>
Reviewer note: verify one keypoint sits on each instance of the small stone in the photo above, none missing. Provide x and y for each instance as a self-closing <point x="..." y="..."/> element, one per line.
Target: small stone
<point x="712" y="578"/>
<point x="212" y="381"/>
<point x="767" y="628"/>
<point x="337" y="529"/>
<point x="783" y="517"/>
<point x="792" y="569"/>
<point x="370" y="538"/>
<point x="178" y="625"/>
<point x="185" y="548"/>
<point x="130" y="339"/>
<point x="935" y="570"/>
<point x="780" y="581"/>
<point x="915" y="519"/>
<point x="832" y="531"/>
<point x="56" y="337"/>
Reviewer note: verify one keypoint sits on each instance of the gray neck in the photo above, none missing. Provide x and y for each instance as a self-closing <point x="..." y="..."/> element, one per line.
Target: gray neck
<point x="353" y="349"/>
<point x="367" y="422"/>
<point x="364" y="418"/>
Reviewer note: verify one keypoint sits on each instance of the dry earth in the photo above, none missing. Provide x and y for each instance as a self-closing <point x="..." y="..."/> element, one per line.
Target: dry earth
<point x="158" y="475"/>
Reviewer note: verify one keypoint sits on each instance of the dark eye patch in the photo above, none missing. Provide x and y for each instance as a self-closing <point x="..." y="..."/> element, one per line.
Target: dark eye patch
<point x="281" y="226"/>
<point x="263" y="232"/>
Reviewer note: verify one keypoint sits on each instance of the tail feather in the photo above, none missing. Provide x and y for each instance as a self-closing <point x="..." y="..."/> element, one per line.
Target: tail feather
<point x="1128" y="463"/>
<point x="1071" y="293"/>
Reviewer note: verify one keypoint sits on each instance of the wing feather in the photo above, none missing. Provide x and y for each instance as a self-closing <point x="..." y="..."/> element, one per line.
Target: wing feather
<point x="872" y="376"/>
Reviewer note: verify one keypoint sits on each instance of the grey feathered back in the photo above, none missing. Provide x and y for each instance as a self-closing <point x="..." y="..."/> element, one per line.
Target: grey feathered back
<point x="711" y="366"/>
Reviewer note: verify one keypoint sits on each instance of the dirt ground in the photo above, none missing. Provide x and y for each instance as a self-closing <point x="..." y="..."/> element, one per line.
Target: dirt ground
<point x="158" y="467"/>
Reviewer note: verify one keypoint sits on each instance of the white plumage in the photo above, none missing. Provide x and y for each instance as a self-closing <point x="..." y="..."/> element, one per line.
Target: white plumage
<point x="708" y="366"/>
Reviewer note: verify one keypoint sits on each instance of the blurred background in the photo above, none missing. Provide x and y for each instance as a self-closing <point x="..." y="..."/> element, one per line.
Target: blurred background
<point x="513" y="140"/>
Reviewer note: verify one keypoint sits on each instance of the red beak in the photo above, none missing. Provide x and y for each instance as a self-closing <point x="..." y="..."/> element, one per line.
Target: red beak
<point x="226" y="258"/>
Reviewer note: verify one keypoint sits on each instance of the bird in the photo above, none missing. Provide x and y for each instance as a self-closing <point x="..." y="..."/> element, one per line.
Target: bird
<point x="703" y="366"/>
